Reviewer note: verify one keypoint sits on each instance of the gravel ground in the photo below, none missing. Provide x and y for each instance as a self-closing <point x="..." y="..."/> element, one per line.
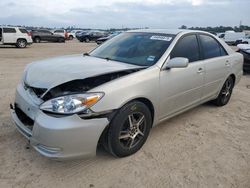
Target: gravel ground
<point x="204" y="147"/>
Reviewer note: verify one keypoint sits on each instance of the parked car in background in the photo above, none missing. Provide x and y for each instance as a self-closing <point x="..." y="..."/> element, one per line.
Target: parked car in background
<point x="72" y="34"/>
<point x="115" y="94"/>
<point x="245" y="40"/>
<point x="46" y="35"/>
<point x="19" y="37"/>
<point x="61" y="32"/>
<point x="103" y="39"/>
<point x="244" y="49"/>
<point x="90" y="36"/>
<point x="232" y="38"/>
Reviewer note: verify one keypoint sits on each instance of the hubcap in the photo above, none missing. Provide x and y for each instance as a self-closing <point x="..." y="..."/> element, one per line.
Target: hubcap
<point x="22" y="44"/>
<point x="132" y="130"/>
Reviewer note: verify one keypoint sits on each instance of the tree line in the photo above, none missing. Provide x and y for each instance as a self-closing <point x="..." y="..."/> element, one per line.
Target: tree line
<point x="218" y="29"/>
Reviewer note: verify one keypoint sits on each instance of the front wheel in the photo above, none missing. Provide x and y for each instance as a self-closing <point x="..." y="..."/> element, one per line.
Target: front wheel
<point x="129" y="129"/>
<point x="225" y="93"/>
<point x="61" y="40"/>
<point x="21" y="43"/>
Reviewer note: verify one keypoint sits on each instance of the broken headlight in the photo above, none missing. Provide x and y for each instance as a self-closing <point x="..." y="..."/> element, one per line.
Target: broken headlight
<point x="71" y="104"/>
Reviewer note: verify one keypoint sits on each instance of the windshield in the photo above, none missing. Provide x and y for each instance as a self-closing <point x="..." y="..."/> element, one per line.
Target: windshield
<point x="143" y="49"/>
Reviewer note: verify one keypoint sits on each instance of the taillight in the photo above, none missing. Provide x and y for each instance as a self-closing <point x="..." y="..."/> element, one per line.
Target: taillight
<point x="66" y="35"/>
<point x="29" y="33"/>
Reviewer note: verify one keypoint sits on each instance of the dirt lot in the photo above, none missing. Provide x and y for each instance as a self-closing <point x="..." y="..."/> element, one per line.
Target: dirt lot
<point x="205" y="147"/>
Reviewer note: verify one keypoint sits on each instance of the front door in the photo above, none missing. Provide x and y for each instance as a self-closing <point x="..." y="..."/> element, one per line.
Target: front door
<point x="181" y="88"/>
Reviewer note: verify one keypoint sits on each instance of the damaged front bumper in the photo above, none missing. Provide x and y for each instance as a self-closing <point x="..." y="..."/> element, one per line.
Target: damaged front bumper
<point x="56" y="137"/>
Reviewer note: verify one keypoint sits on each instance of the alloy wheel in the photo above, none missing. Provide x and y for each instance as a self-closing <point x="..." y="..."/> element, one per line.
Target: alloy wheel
<point x="133" y="130"/>
<point x="227" y="90"/>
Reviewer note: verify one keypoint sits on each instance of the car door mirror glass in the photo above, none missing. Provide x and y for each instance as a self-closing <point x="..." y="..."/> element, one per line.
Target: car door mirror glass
<point x="177" y="62"/>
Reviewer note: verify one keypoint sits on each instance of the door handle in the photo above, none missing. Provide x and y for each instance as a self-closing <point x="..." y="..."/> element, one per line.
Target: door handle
<point x="227" y="63"/>
<point x="200" y="70"/>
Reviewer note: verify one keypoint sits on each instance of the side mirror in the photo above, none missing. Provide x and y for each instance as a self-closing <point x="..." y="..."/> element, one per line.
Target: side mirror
<point x="177" y="62"/>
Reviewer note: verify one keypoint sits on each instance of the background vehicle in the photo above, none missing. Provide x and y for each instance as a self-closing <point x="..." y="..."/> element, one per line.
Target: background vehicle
<point x="244" y="49"/>
<point x="72" y="34"/>
<point x="61" y="32"/>
<point x="120" y="90"/>
<point x="233" y="37"/>
<point x="46" y="35"/>
<point x="19" y="37"/>
<point x="245" y="40"/>
<point x="90" y="36"/>
<point x="103" y="39"/>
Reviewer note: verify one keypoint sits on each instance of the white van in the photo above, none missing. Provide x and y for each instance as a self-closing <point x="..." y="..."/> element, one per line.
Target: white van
<point x="19" y="37"/>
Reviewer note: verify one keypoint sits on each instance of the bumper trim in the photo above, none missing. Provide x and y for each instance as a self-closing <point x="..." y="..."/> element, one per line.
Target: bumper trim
<point x="20" y="126"/>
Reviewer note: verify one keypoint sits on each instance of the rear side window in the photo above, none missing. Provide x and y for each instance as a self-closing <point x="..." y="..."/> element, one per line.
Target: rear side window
<point x="45" y="31"/>
<point x="59" y="31"/>
<point x="9" y="30"/>
<point x="211" y="47"/>
<point x="23" y="30"/>
<point x="187" y="47"/>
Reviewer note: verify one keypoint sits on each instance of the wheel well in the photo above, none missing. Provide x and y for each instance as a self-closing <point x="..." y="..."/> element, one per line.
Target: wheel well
<point x="233" y="76"/>
<point x="149" y="104"/>
<point x="21" y="39"/>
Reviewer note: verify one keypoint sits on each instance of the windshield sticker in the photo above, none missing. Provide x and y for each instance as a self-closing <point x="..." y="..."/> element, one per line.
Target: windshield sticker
<point x="158" y="37"/>
<point x="151" y="58"/>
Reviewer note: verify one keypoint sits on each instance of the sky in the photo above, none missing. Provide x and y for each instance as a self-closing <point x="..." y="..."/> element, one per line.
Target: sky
<point x="105" y="14"/>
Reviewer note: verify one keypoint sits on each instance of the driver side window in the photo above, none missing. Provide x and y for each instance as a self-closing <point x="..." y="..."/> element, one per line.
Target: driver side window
<point x="187" y="47"/>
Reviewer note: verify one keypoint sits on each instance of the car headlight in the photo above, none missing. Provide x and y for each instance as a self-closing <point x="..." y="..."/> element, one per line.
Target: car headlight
<point x="71" y="104"/>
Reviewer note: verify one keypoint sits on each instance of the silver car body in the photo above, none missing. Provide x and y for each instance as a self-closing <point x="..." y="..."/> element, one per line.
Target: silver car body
<point x="169" y="92"/>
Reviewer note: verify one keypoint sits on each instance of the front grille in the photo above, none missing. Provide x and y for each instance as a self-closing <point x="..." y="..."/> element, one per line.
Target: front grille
<point x="27" y="121"/>
<point x="38" y="91"/>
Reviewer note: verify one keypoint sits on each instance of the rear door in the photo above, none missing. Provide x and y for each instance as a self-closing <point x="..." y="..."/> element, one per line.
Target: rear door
<point x="9" y="35"/>
<point x="1" y="35"/>
<point x="217" y="64"/>
<point x="48" y="36"/>
<point x="60" y="32"/>
<point x="182" y="87"/>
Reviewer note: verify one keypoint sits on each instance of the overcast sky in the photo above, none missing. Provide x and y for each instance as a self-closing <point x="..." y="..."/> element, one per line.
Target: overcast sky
<point x="125" y="13"/>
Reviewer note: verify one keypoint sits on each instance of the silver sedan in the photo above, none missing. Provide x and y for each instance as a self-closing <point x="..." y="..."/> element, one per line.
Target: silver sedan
<point x="116" y="93"/>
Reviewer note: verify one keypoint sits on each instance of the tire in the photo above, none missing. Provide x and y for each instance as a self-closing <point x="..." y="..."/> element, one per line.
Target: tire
<point x="21" y="43"/>
<point x="37" y="40"/>
<point x="71" y="37"/>
<point x="87" y="40"/>
<point x="61" y="40"/>
<point x="129" y="129"/>
<point x="225" y="93"/>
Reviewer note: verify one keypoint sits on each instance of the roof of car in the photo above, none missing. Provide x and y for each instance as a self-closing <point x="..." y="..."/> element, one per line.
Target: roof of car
<point x="11" y="27"/>
<point x="164" y="31"/>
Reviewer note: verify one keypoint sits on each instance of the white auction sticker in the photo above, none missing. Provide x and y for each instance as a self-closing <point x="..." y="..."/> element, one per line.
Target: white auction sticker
<point x="158" y="37"/>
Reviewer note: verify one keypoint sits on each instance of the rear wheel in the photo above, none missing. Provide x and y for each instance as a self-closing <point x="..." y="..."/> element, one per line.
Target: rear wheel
<point x="61" y="40"/>
<point x="37" y="40"/>
<point x="129" y="129"/>
<point x="225" y="93"/>
<point x="71" y="37"/>
<point x="21" y="43"/>
<point x="87" y="40"/>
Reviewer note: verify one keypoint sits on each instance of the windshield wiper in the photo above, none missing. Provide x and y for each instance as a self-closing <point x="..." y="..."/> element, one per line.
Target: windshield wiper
<point x="107" y="58"/>
<point x="86" y="54"/>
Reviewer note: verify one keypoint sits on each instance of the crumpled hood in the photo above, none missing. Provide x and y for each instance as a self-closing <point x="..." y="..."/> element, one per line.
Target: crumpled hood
<point x="55" y="71"/>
